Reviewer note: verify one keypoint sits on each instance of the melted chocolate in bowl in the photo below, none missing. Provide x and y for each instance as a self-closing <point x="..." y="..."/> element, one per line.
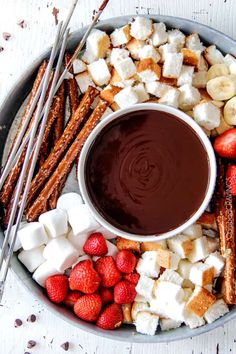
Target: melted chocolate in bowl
<point x="147" y="172"/>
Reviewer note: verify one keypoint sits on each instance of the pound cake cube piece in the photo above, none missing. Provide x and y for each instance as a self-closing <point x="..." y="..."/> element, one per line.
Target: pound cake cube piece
<point x="159" y="35"/>
<point x="120" y="36"/>
<point x="140" y="90"/>
<point x="168" y="291"/>
<point x="200" y="301"/>
<point x="201" y="274"/>
<point x="193" y="42"/>
<point x="148" y="265"/>
<point x="146" y="323"/>
<point x="126" y="97"/>
<point x="98" y="43"/>
<point x="124" y="244"/>
<point x="189" y="97"/>
<point x="171" y="276"/>
<point x="125" y="68"/>
<point x="32" y="259"/>
<point x="145" y="287"/>
<point x="172" y="65"/>
<point x="200" y="79"/>
<point x="217" y="310"/>
<point x="44" y="271"/>
<point x="213" y="55"/>
<point x="84" y="80"/>
<point x="180" y="244"/>
<point x="140" y="298"/>
<point x="148" y="70"/>
<point x="165" y="49"/>
<point x="149" y="51"/>
<point x="192" y="320"/>
<point x="55" y="222"/>
<point x="168" y="259"/>
<point x="88" y="57"/>
<point x="203" y="64"/>
<point x="138" y="307"/>
<point x="118" y="54"/>
<point x="207" y="115"/>
<point x="171" y="98"/>
<point x="79" y="66"/>
<point x="217" y="262"/>
<point x="167" y="324"/>
<point x="187" y="293"/>
<point x="99" y="72"/>
<point x="157" y="89"/>
<point x="208" y="221"/>
<point x="200" y="250"/>
<point x="191" y="57"/>
<point x="176" y="37"/>
<point x="153" y="246"/>
<point x="117" y="81"/>
<point x="194" y="231"/>
<point x="109" y="93"/>
<point x="186" y="75"/>
<point x="184" y="268"/>
<point x="141" y="28"/>
<point x="134" y="46"/>
<point x="126" y="309"/>
<point x="213" y="244"/>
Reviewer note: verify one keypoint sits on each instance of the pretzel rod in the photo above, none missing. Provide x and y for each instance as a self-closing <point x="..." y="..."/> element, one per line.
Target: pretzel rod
<point x="64" y="167"/>
<point x="63" y="143"/>
<point x="71" y="88"/>
<point x="11" y="180"/>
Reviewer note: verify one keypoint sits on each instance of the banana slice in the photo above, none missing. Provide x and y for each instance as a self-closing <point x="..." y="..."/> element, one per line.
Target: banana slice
<point x="223" y="127"/>
<point x="222" y="87"/>
<point x="219" y="104"/>
<point x="230" y="111"/>
<point x="217" y="70"/>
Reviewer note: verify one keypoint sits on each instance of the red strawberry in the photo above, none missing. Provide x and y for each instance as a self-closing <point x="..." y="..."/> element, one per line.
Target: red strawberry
<point x="88" y="307"/>
<point x="106" y="295"/>
<point x="125" y="261"/>
<point x="111" y="317"/>
<point x="231" y="179"/>
<point x="71" y="298"/>
<point x="57" y="287"/>
<point x="225" y="144"/>
<point x="106" y="268"/>
<point x="132" y="277"/>
<point x="84" y="277"/>
<point x="124" y="292"/>
<point x="95" y="245"/>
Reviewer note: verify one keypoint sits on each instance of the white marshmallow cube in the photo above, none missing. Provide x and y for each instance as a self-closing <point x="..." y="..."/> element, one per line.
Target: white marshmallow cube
<point x="146" y="323"/>
<point x="69" y="201"/>
<point x="55" y="222"/>
<point x="126" y="97"/>
<point x="78" y="241"/>
<point x="60" y="253"/>
<point x="99" y="72"/>
<point x="217" y="262"/>
<point x="207" y="115"/>
<point x="141" y="28"/>
<point x="79" y="66"/>
<point x="44" y="271"/>
<point x="167" y="324"/>
<point x="145" y="287"/>
<point x="200" y="250"/>
<point x="217" y="310"/>
<point x="81" y="220"/>
<point x="159" y="35"/>
<point x="32" y="235"/>
<point x="32" y="259"/>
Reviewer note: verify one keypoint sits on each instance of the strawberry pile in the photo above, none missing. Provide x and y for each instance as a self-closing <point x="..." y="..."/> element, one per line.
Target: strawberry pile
<point x="97" y="290"/>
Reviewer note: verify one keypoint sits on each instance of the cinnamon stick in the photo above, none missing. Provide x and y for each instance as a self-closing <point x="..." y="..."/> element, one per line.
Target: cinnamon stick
<point x="64" y="167"/>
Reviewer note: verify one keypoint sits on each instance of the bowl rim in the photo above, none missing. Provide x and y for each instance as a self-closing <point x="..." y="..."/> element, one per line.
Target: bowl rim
<point x="175" y="113"/>
<point x="20" y="272"/>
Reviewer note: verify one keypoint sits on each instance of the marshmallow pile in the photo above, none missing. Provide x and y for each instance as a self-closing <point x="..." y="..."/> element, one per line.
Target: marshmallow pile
<point x="143" y="61"/>
<point x="177" y="282"/>
<point x="54" y="243"/>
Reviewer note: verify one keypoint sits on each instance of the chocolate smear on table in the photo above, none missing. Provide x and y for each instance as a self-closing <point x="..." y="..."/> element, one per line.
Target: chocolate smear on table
<point x="65" y="346"/>
<point x="6" y="36"/>
<point x="1" y="49"/>
<point x="31" y="344"/>
<point x="22" y="23"/>
<point x="55" y="12"/>
<point x="31" y="318"/>
<point x="18" y="323"/>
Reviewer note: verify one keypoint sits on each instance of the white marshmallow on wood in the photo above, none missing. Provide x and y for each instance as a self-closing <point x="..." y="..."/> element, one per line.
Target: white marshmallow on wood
<point x="176" y="37"/>
<point x="60" y="253"/>
<point x="79" y="66"/>
<point x="201" y="274"/>
<point x="120" y="36"/>
<point x="141" y="92"/>
<point x="126" y="97"/>
<point x="81" y="220"/>
<point x="186" y="75"/>
<point x="145" y="287"/>
<point x="148" y="51"/>
<point x="32" y="235"/>
<point x="99" y="72"/>
<point x="172" y="65"/>
<point x="69" y="201"/>
<point x="146" y="323"/>
<point x="159" y="35"/>
<point x="55" y="222"/>
<point x="84" y="80"/>
<point x="207" y="115"/>
<point x="32" y="259"/>
<point x="17" y="245"/>
<point x="184" y="268"/>
<point x="200" y="250"/>
<point x="78" y="240"/>
<point x="141" y="28"/>
<point x="167" y="324"/>
<point x="180" y="244"/>
<point x="213" y="55"/>
<point x="217" y="310"/>
<point x="148" y="265"/>
<point x="189" y="97"/>
<point x="165" y="49"/>
<point x="44" y="271"/>
<point x="217" y="262"/>
<point x="118" y="54"/>
<point x="194" y="231"/>
<point x="98" y="42"/>
<point x="125" y="68"/>
<point x="171" y="97"/>
<point x="171" y="276"/>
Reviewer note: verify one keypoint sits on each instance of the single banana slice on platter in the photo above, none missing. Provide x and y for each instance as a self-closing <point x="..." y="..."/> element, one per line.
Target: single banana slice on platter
<point x="230" y="111"/>
<point x="217" y="70"/>
<point x="222" y="87"/>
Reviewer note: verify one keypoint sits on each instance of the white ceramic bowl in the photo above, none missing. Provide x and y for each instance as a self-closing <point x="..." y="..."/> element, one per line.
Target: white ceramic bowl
<point x="159" y="108"/>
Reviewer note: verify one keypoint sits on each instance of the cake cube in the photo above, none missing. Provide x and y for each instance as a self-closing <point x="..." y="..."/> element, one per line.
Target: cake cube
<point x="192" y="320"/>
<point x="147" y="265"/>
<point x="166" y="49"/>
<point x="99" y="72"/>
<point x="138" y="307"/>
<point x="141" y="92"/>
<point x="168" y="292"/>
<point x="171" y="276"/>
<point x="141" y="28"/>
<point x="79" y="66"/>
<point x="126" y="309"/>
<point x="187" y="293"/>
<point x="201" y="274"/>
<point x="184" y="268"/>
<point x="215" y="311"/>
<point x="84" y="80"/>
<point x="145" y="287"/>
<point x="193" y="42"/>
<point x="124" y="244"/>
<point x="200" y="250"/>
<point x="202" y="64"/>
<point x="109" y="93"/>
<point x="134" y="46"/>
<point x="126" y="97"/>
<point x="213" y="55"/>
<point x="212" y="243"/>
<point x="168" y="259"/>
<point x="172" y="65"/>
<point x="118" y="54"/>
<point x="157" y="89"/>
<point x="149" y="51"/>
<point x="140" y="298"/>
<point x="88" y="57"/>
<point x="177" y="38"/>
<point x="180" y="244"/>
<point x="146" y="323"/>
<point x="153" y="246"/>
<point x="159" y="35"/>
<point x="186" y="75"/>
<point x="199" y="79"/>
<point x="171" y="98"/>
<point x="207" y="115"/>
<point x="148" y="70"/>
<point x="189" y="97"/>
<point x="217" y="262"/>
<point x="125" y="68"/>
<point x="194" y="231"/>
<point x="120" y="36"/>
<point x="200" y="301"/>
<point x="98" y="43"/>
<point x="191" y="57"/>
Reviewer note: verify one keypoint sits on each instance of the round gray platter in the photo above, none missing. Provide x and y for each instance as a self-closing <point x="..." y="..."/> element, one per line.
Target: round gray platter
<point x="7" y="114"/>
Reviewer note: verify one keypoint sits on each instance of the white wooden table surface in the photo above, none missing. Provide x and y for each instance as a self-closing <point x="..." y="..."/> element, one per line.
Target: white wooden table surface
<point x="18" y="52"/>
